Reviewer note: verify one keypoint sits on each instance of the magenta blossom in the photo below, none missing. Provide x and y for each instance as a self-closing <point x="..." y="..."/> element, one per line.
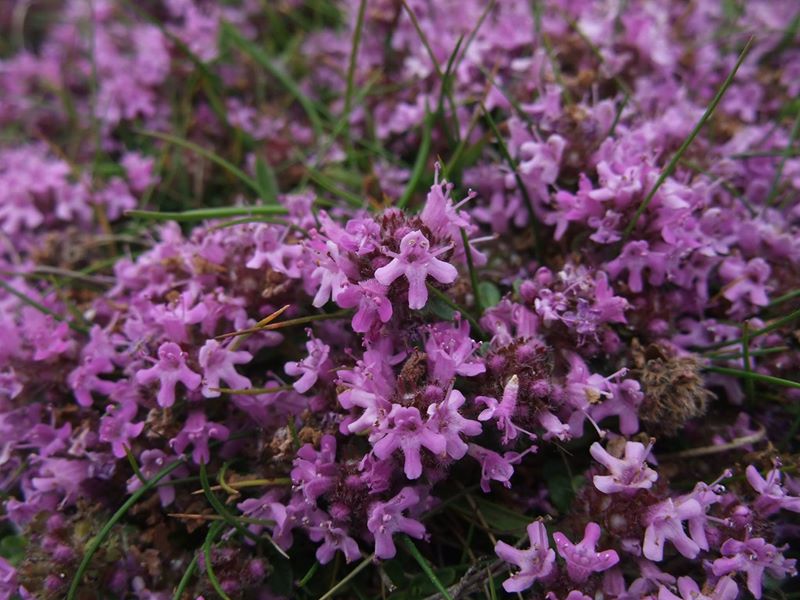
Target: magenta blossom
<point x="665" y="522"/>
<point x="627" y="475"/>
<point x="384" y="519"/>
<point x="753" y="557"/>
<point x="218" y="365"/>
<point x="170" y="370"/>
<point x="582" y="558"/>
<point x="726" y="589"/>
<point x="771" y="495"/>
<point x="535" y="563"/>
<point x="310" y="368"/>
<point x="196" y="433"/>
<point x="416" y="261"/>
<point x="405" y="430"/>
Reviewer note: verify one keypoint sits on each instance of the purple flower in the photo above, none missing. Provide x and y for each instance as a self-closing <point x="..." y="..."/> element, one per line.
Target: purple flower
<point x="753" y="557"/>
<point x="502" y="411"/>
<point x="150" y="463"/>
<point x="373" y="305"/>
<point x="329" y="274"/>
<point x="635" y="258"/>
<point x="535" y="563"/>
<point x="218" y="365"/>
<point x="117" y="428"/>
<point x="314" y="473"/>
<point x="726" y="589"/>
<point x="311" y="367"/>
<point x="582" y="558"/>
<point x="451" y="352"/>
<point x="665" y="522"/>
<point x="627" y="475"/>
<point x="9" y="587"/>
<point x="404" y="430"/>
<point x="169" y="371"/>
<point x="197" y="432"/>
<point x="771" y="495"/>
<point x="384" y="519"/>
<point x="445" y="418"/>
<point x="333" y="538"/>
<point x="745" y="282"/>
<point x="272" y="249"/>
<point x="416" y="261"/>
<point x="495" y="466"/>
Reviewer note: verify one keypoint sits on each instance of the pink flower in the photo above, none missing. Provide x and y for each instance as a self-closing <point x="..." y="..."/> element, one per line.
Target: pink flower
<point x="502" y="411"/>
<point x="627" y="475"/>
<point x="495" y="466"/>
<point x="535" y="563"/>
<point x="726" y="589"/>
<point x="170" y="370"/>
<point x="772" y="497"/>
<point x="117" y="428"/>
<point x="582" y="558"/>
<point x="196" y="433"/>
<point x="445" y="418"/>
<point x="665" y="522"/>
<point x="416" y="261"/>
<point x="333" y="538"/>
<point x="451" y="352"/>
<point x="310" y="367"/>
<point x="636" y="256"/>
<point x="386" y="518"/>
<point x="373" y="305"/>
<point x="753" y="557"/>
<point x="405" y="430"/>
<point x="272" y="249"/>
<point x="218" y="365"/>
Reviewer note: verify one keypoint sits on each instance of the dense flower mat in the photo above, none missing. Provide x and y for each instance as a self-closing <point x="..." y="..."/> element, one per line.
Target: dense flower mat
<point x="399" y="298"/>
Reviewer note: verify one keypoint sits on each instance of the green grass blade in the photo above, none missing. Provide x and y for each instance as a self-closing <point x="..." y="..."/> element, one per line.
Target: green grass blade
<point x="776" y="324"/>
<point x="776" y="181"/>
<point x="269" y="64"/>
<point x="673" y="163"/>
<point x="213" y="532"/>
<point x="473" y="275"/>
<point x="419" y="164"/>
<point x="446" y="299"/>
<point x="423" y="38"/>
<point x="187" y="577"/>
<point x="520" y="184"/>
<point x="98" y="540"/>
<point x="329" y="185"/>
<point x="42" y="308"/>
<point x="228" y="517"/>
<point x="351" y="68"/>
<point x="425" y="566"/>
<point x="208" y="154"/>
<point x="347" y="578"/>
<point x="267" y="182"/>
<point x="207" y="213"/>
<point x="754" y="376"/>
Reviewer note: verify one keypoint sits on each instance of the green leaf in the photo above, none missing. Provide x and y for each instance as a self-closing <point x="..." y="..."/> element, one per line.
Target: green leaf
<point x="489" y="294"/>
<point x="500" y="518"/>
<point x="12" y="548"/>
<point x="559" y="484"/>
<point x="267" y="182"/>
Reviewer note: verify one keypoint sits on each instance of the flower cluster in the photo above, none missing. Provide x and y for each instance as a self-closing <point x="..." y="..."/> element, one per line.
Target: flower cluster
<point x="586" y="316"/>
